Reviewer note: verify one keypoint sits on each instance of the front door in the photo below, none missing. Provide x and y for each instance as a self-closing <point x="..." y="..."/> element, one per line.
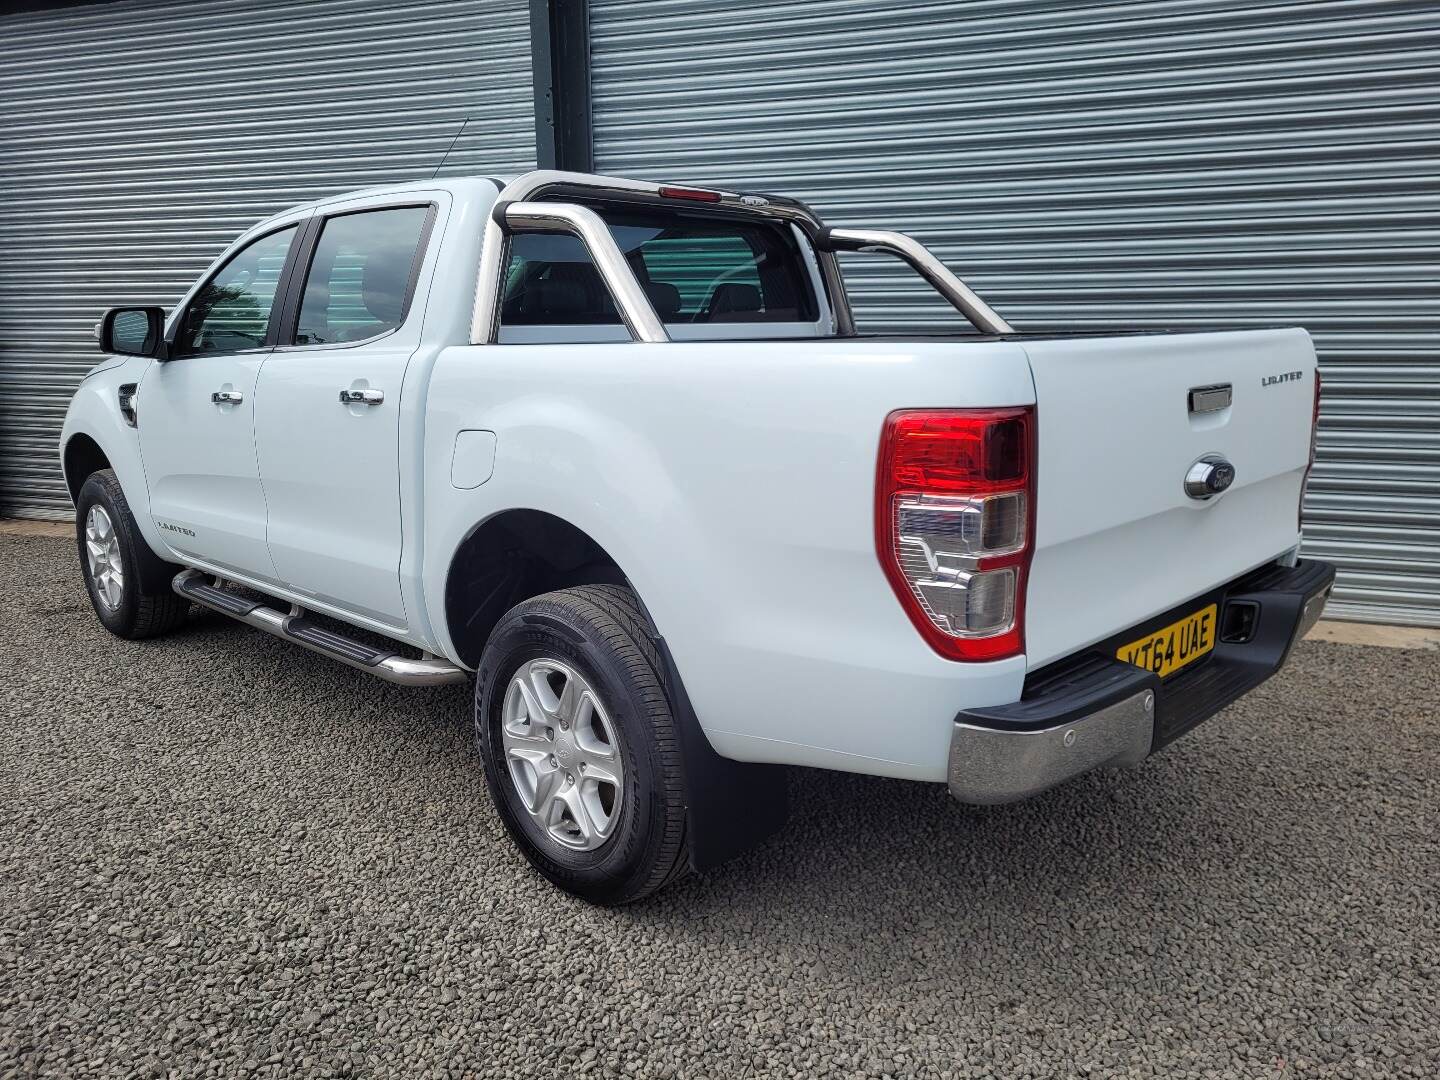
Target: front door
<point x="196" y="415"/>
<point x="327" y="420"/>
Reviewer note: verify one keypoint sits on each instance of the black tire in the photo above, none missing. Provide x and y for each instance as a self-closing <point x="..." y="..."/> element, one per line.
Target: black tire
<point x="597" y="630"/>
<point x="146" y="605"/>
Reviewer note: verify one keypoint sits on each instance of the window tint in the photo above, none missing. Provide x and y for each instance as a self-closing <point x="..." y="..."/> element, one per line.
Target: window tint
<point x="232" y="310"/>
<point x="359" y="280"/>
<point x="695" y="270"/>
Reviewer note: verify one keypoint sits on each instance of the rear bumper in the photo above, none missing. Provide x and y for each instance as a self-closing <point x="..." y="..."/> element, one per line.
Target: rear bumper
<point x="1092" y="711"/>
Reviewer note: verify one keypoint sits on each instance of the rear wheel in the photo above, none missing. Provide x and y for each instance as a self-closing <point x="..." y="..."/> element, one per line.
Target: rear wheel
<point x="128" y="584"/>
<point x="579" y="745"/>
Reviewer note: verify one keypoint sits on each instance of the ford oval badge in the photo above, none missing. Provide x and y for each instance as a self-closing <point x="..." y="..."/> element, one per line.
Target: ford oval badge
<point x="1208" y="477"/>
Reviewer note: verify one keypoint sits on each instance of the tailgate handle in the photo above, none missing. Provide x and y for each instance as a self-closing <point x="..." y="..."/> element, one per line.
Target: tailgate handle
<point x="1204" y="399"/>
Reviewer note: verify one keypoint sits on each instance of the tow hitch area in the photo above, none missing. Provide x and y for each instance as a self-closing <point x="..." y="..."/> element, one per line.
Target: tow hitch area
<point x="1095" y="710"/>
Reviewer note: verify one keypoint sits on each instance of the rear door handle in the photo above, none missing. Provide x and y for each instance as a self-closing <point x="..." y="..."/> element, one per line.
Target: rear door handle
<point x="361" y="397"/>
<point x="227" y="397"/>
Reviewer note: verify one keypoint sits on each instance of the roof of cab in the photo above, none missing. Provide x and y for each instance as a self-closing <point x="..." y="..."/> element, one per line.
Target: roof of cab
<point x="456" y="185"/>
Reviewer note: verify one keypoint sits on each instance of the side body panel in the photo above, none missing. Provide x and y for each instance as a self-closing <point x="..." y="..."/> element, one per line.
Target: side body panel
<point x="331" y="470"/>
<point x="200" y="467"/>
<point x="734" y="485"/>
<point x="443" y="294"/>
<point x="200" y="462"/>
<point x="95" y="412"/>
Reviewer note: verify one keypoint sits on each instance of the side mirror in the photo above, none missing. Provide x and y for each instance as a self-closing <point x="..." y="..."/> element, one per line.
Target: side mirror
<point x="134" y="331"/>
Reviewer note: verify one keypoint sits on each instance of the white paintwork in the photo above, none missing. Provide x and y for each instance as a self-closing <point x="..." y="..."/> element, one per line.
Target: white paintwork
<point x="736" y="491"/>
<point x="330" y="470"/>
<point x="1115" y="531"/>
<point x="200" y="462"/>
<point x="474" y="459"/>
<point x="733" y="482"/>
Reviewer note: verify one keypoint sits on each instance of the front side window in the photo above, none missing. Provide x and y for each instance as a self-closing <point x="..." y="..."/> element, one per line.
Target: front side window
<point x="232" y="310"/>
<point x="695" y="269"/>
<point x="359" y="281"/>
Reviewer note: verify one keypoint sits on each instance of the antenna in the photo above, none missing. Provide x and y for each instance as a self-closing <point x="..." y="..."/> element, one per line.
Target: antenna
<point x="449" y="148"/>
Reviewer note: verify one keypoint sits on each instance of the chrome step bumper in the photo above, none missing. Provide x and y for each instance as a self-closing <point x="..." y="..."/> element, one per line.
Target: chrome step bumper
<point x="1093" y="711"/>
<point x="295" y="627"/>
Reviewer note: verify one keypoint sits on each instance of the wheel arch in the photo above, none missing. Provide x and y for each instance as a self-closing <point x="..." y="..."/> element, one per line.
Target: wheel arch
<point x="508" y="558"/>
<point x="520" y="553"/>
<point x="81" y="457"/>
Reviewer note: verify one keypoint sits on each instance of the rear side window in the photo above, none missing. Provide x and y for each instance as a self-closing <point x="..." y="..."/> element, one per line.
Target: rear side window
<point x="358" y="286"/>
<point x="695" y="270"/>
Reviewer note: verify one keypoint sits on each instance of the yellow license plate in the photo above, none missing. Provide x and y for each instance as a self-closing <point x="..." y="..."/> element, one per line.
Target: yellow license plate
<point x="1167" y="650"/>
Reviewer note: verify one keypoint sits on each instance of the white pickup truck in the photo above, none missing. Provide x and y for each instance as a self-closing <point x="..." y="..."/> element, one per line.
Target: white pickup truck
<point x="616" y="451"/>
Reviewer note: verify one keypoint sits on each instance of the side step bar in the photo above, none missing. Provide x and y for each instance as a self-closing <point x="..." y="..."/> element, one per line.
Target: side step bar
<point x="390" y="666"/>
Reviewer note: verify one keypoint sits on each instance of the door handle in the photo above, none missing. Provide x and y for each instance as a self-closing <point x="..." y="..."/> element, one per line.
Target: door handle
<point x="361" y="397"/>
<point x="227" y="397"/>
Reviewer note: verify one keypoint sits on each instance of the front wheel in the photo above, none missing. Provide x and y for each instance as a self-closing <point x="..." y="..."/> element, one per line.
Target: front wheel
<point x="580" y="748"/>
<point x="119" y="566"/>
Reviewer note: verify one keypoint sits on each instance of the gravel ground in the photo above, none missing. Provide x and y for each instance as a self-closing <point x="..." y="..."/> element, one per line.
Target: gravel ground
<point x="222" y="855"/>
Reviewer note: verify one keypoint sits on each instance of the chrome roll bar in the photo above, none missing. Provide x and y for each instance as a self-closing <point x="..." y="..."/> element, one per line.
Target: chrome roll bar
<point x="485" y="318"/>
<point x="517" y="209"/>
<point x="920" y="258"/>
<point x="635" y="307"/>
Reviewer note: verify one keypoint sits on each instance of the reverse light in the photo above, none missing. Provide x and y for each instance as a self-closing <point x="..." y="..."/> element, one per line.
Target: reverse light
<point x="954" y="515"/>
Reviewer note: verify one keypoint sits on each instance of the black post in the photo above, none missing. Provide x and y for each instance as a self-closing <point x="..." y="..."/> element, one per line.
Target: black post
<point x="560" y="57"/>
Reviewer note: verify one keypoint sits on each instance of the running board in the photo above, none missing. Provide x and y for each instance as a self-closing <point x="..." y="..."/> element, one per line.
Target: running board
<point x="390" y="666"/>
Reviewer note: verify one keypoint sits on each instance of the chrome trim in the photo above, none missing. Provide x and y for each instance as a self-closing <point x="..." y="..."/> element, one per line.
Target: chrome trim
<point x="1312" y="611"/>
<point x="484" y="321"/>
<point x="634" y="305"/>
<point x="395" y="669"/>
<point x="1199" y="477"/>
<point x="227" y="397"/>
<point x="485" y="316"/>
<point x="362" y="397"/>
<point x="923" y="261"/>
<point x="1205" y="399"/>
<point x="989" y="766"/>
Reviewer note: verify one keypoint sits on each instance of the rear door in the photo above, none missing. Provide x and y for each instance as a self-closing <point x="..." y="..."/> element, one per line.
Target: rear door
<point x="1118" y="540"/>
<point x="196" y="414"/>
<point x="328" y="404"/>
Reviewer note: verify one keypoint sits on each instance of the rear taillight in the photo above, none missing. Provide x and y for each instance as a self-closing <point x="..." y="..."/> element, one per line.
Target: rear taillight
<point x="954" y="524"/>
<point x="1314" y="435"/>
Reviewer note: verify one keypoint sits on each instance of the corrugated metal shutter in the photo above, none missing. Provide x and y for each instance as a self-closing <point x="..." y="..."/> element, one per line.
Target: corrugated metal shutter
<point x="138" y="138"/>
<point x="1168" y="164"/>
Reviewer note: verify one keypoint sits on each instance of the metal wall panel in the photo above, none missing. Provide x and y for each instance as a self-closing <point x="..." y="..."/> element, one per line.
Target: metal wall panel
<point x="1177" y="163"/>
<point x="138" y="138"/>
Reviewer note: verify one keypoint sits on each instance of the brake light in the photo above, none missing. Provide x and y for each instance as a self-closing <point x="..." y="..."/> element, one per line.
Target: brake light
<point x="1310" y="465"/>
<point x="670" y="191"/>
<point x="954" y="524"/>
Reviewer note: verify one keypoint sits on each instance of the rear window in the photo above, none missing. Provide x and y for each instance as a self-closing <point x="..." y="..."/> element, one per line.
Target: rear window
<point x="695" y="269"/>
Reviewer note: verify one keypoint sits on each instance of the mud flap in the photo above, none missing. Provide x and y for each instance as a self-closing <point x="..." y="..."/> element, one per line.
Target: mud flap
<point x="732" y="806"/>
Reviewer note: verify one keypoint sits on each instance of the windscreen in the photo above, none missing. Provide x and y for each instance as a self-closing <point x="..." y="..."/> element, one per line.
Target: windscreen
<point x="696" y="269"/>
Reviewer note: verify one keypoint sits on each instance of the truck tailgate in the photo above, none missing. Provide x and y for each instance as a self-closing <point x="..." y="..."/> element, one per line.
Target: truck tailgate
<point x="1118" y="540"/>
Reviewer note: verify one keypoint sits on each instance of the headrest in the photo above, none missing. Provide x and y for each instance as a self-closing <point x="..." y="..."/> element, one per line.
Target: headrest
<point x="383" y="283"/>
<point x="554" y="301"/>
<point x="734" y="298"/>
<point x="665" y="298"/>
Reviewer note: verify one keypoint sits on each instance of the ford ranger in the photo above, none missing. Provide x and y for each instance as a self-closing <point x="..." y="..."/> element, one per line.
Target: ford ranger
<point x="616" y="453"/>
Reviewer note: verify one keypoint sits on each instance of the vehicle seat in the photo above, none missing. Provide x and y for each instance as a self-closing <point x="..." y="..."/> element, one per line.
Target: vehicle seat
<point x="734" y="301"/>
<point x="561" y="301"/>
<point x="383" y="283"/>
<point x="665" y="298"/>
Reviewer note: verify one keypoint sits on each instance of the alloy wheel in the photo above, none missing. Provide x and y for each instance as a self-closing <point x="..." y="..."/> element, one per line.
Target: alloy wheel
<point x="103" y="559"/>
<point x="563" y="754"/>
